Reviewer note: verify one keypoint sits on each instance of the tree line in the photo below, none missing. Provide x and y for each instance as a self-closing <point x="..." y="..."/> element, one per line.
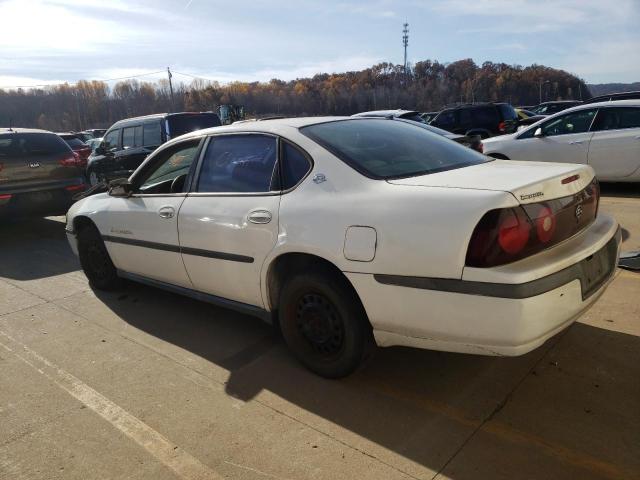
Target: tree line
<point x="425" y="86"/>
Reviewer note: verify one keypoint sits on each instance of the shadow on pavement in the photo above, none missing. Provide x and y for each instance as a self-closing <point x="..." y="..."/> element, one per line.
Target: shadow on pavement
<point x="423" y="405"/>
<point x="629" y="190"/>
<point x="35" y="248"/>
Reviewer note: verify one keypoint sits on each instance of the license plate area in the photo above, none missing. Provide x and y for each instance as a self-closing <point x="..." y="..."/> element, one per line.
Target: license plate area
<point x="597" y="268"/>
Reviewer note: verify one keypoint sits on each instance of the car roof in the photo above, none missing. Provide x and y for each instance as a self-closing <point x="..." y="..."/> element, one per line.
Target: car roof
<point x="612" y="103"/>
<point x="154" y="116"/>
<point x="386" y="113"/>
<point x="7" y="130"/>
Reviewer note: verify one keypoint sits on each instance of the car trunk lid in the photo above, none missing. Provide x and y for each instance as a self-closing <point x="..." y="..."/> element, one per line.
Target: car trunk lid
<point x="529" y="182"/>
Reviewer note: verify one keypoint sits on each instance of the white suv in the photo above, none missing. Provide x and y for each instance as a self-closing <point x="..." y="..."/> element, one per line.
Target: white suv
<point x="346" y="231"/>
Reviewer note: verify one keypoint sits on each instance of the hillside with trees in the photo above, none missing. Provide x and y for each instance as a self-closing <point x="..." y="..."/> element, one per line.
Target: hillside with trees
<point x="427" y="86"/>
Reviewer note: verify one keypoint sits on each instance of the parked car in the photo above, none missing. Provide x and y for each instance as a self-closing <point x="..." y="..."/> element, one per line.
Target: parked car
<point x="471" y="141"/>
<point x="605" y="136"/>
<point x="39" y="173"/>
<point x="527" y="117"/>
<point x="484" y="119"/>
<point x="94" y="132"/>
<point x="549" y="108"/>
<point x="78" y="145"/>
<point x="428" y="116"/>
<point x="128" y="142"/>
<point x="354" y="230"/>
<point x="94" y="143"/>
<point x="610" y="97"/>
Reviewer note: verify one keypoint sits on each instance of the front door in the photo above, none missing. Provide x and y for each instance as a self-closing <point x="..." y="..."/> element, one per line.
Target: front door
<point x="614" y="152"/>
<point x="229" y="223"/>
<point x="564" y="139"/>
<point x="142" y="234"/>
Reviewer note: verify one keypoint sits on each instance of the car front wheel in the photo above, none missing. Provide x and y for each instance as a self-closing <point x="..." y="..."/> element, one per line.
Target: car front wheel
<point x="95" y="260"/>
<point x="323" y="323"/>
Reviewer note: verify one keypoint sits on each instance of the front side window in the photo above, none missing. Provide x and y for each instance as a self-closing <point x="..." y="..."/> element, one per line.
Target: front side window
<point x="617" y="118"/>
<point x="111" y="140"/>
<point x="238" y="164"/>
<point x="170" y="164"/>
<point x="152" y="134"/>
<point x="386" y="149"/>
<point x="574" y="122"/>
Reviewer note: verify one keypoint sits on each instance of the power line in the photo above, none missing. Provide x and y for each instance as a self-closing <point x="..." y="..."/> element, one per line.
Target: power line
<point x="75" y="83"/>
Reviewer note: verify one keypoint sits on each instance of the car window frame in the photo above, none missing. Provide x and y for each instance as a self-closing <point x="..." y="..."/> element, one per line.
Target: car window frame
<point x="198" y="169"/>
<point x="602" y="110"/>
<point x="588" y="130"/>
<point x="118" y="147"/>
<point x="139" y="175"/>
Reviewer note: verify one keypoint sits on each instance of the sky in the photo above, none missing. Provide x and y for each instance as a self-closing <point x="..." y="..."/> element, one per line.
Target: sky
<point x="54" y="41"/>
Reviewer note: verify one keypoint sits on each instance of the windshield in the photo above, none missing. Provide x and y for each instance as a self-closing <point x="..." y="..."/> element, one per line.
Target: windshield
<point x="386" y="149"/>
<point x="181" y="124"/>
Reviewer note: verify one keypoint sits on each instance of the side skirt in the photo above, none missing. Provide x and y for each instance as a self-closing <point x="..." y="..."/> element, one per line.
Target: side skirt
<point x="252" y="310"/>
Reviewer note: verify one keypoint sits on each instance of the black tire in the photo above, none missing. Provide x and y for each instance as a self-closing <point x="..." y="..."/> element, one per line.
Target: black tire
<point x="95" y="260"/>
<point x="323" y="323"/>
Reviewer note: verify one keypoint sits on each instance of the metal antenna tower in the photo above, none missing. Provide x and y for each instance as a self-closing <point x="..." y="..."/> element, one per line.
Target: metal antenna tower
<point x="405" y="42"/>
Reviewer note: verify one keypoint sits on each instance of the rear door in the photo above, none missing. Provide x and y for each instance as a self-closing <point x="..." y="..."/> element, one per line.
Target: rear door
<point x="35" y="161"/>
<point x="614" y="151"/>
<point x="229" y="224"/>
<point x="133" y="152"/>
<point x="564" y="139"/>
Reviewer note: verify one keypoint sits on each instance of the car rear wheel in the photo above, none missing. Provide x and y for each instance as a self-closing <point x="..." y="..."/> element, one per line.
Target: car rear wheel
<point x="323" y="323"/>
<point x="95" y="178"/>
<point x="95" y="260"/>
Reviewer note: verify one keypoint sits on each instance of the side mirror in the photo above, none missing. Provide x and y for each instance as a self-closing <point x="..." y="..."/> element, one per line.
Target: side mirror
<point x="120" y="188"/>
<point x="538" y="133"/>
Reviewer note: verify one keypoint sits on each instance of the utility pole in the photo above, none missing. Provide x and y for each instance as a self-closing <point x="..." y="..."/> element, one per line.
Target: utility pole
<point x="405" y="42"/>
<point x="170" y="88"/>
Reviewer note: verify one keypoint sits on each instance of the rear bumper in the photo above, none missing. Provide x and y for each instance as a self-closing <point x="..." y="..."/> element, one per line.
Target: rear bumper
<point x="53" y="201"/>
<point x="489" y="318"/>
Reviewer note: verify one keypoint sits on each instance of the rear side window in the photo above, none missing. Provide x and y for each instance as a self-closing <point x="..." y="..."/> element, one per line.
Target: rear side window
<point x="508" y="112"/>
<point x="485" y="116"/>
<point x="190" y="122"/>
<point x="31" y="145"/>
<point x="445" y="119"/>
<point x="385" y="149"/>
<point x="617" y="118"/>
<point x="152" y="136"/>
<point x="238" y="164"/>
<point x="295" y="166"/>
<point x="128" y="137"/>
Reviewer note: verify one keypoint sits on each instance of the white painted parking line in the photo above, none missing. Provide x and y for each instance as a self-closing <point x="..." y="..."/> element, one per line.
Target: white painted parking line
<point x="182" y="463"/>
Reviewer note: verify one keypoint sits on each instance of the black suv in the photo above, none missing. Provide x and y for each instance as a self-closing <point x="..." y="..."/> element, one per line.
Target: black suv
<point x="549" y="108"/>
<point x="128" y="142"/>
<point x="486" y="119"/>
<point x="39" y="173"/>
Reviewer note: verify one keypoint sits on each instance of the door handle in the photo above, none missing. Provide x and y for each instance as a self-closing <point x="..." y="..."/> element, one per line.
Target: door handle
<point x="259" y="216"/>
<point x="576" y="142"/>
<point x="166" y="212"/>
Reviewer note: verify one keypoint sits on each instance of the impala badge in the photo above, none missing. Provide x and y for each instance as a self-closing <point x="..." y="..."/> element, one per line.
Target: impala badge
<point x="578" y="212"/>
<point x="34" y="165"/>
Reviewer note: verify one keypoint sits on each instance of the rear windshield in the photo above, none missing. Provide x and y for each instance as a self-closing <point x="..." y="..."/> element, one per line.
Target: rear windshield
<point x="181" y="124"/>
<point x="31" y="144"/>
<point x="387" y="149"/>
<point x="74" y="142"/>
<point x="413" y="116"/>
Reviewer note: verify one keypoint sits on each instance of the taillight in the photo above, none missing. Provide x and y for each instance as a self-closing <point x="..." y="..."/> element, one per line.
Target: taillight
<point x="509" y="234"/>
<point x="513" y="231"/>
<point x="75" y="188"/>
<point x="480" y="147"/>
<point x="5" y="196"/>
<point x="502" y="127"/>
<point x="73" y="160"/>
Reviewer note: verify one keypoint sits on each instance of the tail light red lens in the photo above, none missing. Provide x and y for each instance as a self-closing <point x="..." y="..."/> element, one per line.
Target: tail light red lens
<point x="6" y="196"/>
<point x="502" y="127"/>
<point x="73" y="160"/>
<point x="513" y="231"/>
<point x="506" y="235"/>
<point x="75" y="188"/>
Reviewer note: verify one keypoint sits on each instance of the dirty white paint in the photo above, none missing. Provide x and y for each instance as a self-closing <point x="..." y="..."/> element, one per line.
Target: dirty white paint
<point x="182" y="463"/>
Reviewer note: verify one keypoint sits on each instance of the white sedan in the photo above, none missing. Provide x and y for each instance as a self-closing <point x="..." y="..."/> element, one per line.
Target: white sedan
<point x="604" y="135"/>
<point x="347" y="232"/>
